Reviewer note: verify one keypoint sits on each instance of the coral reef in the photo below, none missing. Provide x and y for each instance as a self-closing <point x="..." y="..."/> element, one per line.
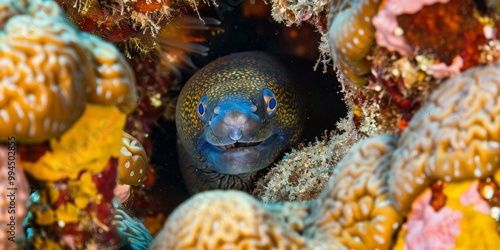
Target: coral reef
<point x="158" y="41"/>
<point x="453" y="138"/>
<point x="302" y="174"/>
<point x="136" y="25"/>
<point x="353" y="211"/>
<point x="416" y="165"/>
<point x="387" y="65"/>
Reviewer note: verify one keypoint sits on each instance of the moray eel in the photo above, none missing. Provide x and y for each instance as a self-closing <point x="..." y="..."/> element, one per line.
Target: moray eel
<point x="234" y="117"/>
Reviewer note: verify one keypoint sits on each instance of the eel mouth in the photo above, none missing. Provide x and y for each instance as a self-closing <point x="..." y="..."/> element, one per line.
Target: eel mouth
<point x="239" y="145"/>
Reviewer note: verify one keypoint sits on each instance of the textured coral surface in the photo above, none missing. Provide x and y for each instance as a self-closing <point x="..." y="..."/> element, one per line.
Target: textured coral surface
<point x="47" y="66"/>
<point x="131" y="229"/>
<point x="454" y="137"/>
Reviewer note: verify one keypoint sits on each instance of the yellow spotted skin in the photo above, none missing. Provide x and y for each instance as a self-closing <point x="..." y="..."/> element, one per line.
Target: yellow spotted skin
<point x="237" y="77"/>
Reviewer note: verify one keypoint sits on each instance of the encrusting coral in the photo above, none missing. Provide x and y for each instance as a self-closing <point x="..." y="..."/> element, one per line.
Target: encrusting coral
<point x="70" y="155"/>
<point x="302" y="174"/>
<point x="353" y="211"/>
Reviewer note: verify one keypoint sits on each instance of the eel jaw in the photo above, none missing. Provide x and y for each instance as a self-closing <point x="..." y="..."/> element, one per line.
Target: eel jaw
<point x="241" y="157"/>
<point x="239" y="145"/>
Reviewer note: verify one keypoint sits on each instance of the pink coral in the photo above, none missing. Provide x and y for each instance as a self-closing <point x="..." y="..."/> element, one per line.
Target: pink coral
<point x="121" y="192"/>
<point x="441" y="70"/>
<point x="429" y="229"/>
<point x="472" y="197"/>
<point x="388" y="33"/>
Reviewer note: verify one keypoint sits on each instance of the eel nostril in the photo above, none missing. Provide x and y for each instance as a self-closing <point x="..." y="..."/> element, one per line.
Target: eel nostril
<point x="253" y="108"/>
<point x="235" y="134"/>
<point x="217" y="110"/>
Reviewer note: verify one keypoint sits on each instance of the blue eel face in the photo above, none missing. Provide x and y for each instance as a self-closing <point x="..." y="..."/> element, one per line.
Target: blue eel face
<point x="239" y="134"/>
<point x="234" y="117"/>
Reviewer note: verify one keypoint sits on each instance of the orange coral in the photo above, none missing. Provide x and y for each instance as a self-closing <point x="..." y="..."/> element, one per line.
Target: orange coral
<point x="41" y="77"/>
<point x="47" y="65"/>
<point x="114" y="81"/>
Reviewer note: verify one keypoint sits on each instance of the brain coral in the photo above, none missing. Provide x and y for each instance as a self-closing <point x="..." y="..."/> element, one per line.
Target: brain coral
<point x="454" y="137"/>
<point x="45" y="66"/>
<point x="352" y="212"/>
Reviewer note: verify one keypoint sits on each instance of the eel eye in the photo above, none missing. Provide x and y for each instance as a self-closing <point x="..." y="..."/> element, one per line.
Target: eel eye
<point x="271" y="102"/>
<point x="201" y="109"/>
